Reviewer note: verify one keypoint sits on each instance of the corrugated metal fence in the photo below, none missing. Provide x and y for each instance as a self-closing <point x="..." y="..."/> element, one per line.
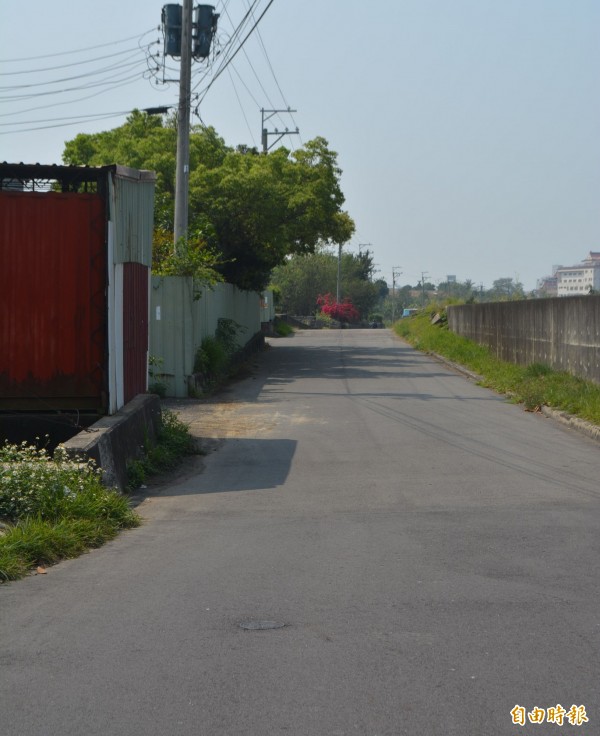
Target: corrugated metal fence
<point x="52" y="292"/>
<point x="179" y="320"/>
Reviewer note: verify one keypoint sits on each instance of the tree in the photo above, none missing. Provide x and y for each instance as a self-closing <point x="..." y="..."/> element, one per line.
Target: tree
<point x="304" y="277"/>
<point x="505" y="289"/>
<point x="261" y="208"/>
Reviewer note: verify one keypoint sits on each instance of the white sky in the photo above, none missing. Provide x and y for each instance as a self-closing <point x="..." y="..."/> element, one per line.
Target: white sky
<point x="467" y="130"/>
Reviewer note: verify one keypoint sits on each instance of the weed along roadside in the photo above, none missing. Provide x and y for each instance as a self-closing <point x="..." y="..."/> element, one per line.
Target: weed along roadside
<point x="537" y="387"/>
<point x="54" y="507"/>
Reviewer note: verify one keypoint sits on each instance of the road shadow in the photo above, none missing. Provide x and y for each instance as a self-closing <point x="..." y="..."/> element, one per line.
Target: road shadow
<point x="250" y="465"/>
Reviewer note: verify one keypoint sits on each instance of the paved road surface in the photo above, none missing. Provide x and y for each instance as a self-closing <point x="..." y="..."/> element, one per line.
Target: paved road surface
<point x="431" y="549"/>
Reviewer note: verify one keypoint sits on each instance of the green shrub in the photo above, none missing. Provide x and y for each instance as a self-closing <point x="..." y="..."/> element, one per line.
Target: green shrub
<point x="283" y="329"/>
<point x="211" y="357"/>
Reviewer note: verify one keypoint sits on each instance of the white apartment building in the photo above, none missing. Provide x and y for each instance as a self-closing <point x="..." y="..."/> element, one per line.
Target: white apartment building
<point x="578" y="280"/>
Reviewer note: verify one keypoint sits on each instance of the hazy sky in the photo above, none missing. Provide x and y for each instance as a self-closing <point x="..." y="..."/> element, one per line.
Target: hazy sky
<point x="468" y="131"/>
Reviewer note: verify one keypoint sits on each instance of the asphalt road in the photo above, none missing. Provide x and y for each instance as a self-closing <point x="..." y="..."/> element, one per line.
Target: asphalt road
<point x="431" y="549"/>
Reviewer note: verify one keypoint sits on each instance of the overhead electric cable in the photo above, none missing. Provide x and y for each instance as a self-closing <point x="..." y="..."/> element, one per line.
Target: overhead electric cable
<point x="92" y="73"/>
<point x="78" y="51"/>
<point x="62" y="125"/>
<point x="256" y="102"/>
<point x="266" y="55"/>
<point x="226" y="54"/>
<point x="234" y="54"/>
<point x="75" y="63"/>
<point x="241" y="107"/>
<point x="253" y="70"/>
<point x="109" y="81"/>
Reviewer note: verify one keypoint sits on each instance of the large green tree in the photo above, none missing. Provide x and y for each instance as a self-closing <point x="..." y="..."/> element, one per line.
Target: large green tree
<point x="260" y="209"/>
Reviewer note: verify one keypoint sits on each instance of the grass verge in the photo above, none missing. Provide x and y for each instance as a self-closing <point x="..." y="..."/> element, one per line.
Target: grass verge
<point x="52" y="508"/>
<point x="533" y="386"/>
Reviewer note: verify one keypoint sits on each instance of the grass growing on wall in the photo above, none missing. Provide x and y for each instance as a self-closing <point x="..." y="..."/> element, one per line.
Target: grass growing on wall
<point x="174" y="442"/>
<point x="533" y="386"/>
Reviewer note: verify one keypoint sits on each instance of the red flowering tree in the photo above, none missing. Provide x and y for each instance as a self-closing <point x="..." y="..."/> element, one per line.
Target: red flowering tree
<point x="341" y="311"/>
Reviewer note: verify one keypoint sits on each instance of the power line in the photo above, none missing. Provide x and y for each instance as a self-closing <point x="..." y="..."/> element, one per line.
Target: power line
<point x="234" y="54"/>
<point x="75" y="63"/>
<point x="253" y="70"/>
<point x="65" y="102"/>
<point x="241" y="107"/>
<point x="74" y="118"/>
<point x="102" y="83"/>
<point x="78" y="51"/>
<point x="93" y="73"/>
<point x="103" y="116"/>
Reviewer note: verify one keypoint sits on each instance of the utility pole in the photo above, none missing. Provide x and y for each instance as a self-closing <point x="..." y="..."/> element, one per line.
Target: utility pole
<point x="338" y="291"/>
<point x="182" y="172"/>
<point x="266" y="115"/>
<point x="395" y="272"/>
<point x="423" y="274"/>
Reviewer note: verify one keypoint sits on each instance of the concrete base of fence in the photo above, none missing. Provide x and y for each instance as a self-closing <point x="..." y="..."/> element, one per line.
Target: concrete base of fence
<point x="115" y="440"/>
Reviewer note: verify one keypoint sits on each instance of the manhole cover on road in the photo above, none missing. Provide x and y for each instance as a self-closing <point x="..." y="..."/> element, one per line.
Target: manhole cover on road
<point x="261" y="625"/>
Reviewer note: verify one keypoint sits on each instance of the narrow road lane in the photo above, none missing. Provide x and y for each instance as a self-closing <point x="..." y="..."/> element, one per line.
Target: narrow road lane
<point x="432" y="550"/>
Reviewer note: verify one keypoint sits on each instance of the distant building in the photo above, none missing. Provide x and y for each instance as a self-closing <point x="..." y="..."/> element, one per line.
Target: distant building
<point x="579" y="280"/>
<point x="547" y="286"/>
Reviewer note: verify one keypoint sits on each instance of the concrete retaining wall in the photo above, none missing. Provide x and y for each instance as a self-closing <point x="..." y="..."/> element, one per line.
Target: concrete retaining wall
<point x="115" y="440"/>
<point x="561" y="333"/>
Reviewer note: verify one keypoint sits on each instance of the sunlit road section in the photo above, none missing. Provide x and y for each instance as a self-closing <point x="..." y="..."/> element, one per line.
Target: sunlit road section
<point x="375" y="546"/>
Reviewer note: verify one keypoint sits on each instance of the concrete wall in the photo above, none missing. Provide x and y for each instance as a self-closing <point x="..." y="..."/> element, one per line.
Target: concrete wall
<point x="179" y="321"/>
<point x="562" y="333"/>
<point x="115" y="440"/>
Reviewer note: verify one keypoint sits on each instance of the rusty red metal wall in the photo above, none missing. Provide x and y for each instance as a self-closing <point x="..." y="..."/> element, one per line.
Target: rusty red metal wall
<point x="135" y="329"/>
<point x="53" y="310"/>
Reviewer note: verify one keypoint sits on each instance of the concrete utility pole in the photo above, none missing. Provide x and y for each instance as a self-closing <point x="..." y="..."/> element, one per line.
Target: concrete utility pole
<point x="338" y="291"/>
<point x="423" y="274"/>
<point x="182" y="173"/>
<point x="395" y="272"/>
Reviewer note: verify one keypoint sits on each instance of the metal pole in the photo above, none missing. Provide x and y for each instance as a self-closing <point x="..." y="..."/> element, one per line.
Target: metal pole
<point x="182" y="172"/>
